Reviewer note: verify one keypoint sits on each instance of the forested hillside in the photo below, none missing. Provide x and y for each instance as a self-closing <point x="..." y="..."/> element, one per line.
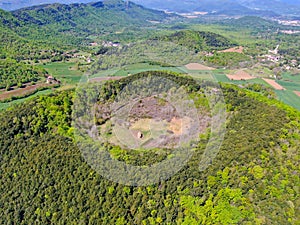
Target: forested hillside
<point x="17" y="40"/>
<point x="14" y="46"/>
<point x="40" y="32"/>
<point x="253" y="180"/>
<point x="13" y="73"/>
<point x="199" y="41"/>
<point x="82" y="20"/>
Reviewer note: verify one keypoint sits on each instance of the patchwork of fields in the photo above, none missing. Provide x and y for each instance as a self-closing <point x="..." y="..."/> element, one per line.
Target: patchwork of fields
<point x="287" y="89"/>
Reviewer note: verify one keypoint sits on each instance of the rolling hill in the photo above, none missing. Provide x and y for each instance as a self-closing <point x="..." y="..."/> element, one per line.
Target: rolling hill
<point x="89" y="19"/>
<point x="199" y="40"/>
<point x="253" y="180"/>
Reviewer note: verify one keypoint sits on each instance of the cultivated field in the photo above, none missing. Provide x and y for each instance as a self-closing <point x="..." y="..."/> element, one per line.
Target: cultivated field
<point x="240" y="75"/>
<point x="22" y="91"/>
<point x="198" y="66"/>
<point x="133" y="69"/>
<point x="289" y="97"/>
<point x="67" y="73"/>
<point x="5" y="105"/>
<point x="99" y="79"/>
<point x="297" y="93"/>
<point x="274" y="84"/>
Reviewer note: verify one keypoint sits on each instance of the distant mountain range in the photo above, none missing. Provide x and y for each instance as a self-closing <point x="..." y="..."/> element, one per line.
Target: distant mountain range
<point x="283" y="7"/>
<point x="228" y="7"/>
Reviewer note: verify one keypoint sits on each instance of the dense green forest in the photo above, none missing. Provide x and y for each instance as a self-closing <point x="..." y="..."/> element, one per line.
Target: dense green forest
<point x="199" y="41"/>
<point x="253" y="180"/>
<point x="75" y="23"/>
<point x="17" y="42"/>
<point x="228" y="59"/>
<point x="19" y="48"/>
<point x="13" y="73"/>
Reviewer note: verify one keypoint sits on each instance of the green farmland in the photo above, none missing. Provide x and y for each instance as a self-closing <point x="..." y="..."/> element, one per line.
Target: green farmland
<point x="66" y="72"/>
<point x="5" y="105"/>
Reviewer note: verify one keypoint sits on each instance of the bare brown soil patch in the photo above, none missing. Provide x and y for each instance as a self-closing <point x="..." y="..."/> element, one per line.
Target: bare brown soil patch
<point x="297" y="93"/>
<point x="176" y="126"/>
<point x="240" y="75"/>
<point x="274" y="84"/>
<point x="152" y="122"/>
<point x="235" y="49"/>
<point x="153" y="107"/>
<point x="198" y="66"/>
<point x="22" y="91"/>
<point x="180" y="125"/>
